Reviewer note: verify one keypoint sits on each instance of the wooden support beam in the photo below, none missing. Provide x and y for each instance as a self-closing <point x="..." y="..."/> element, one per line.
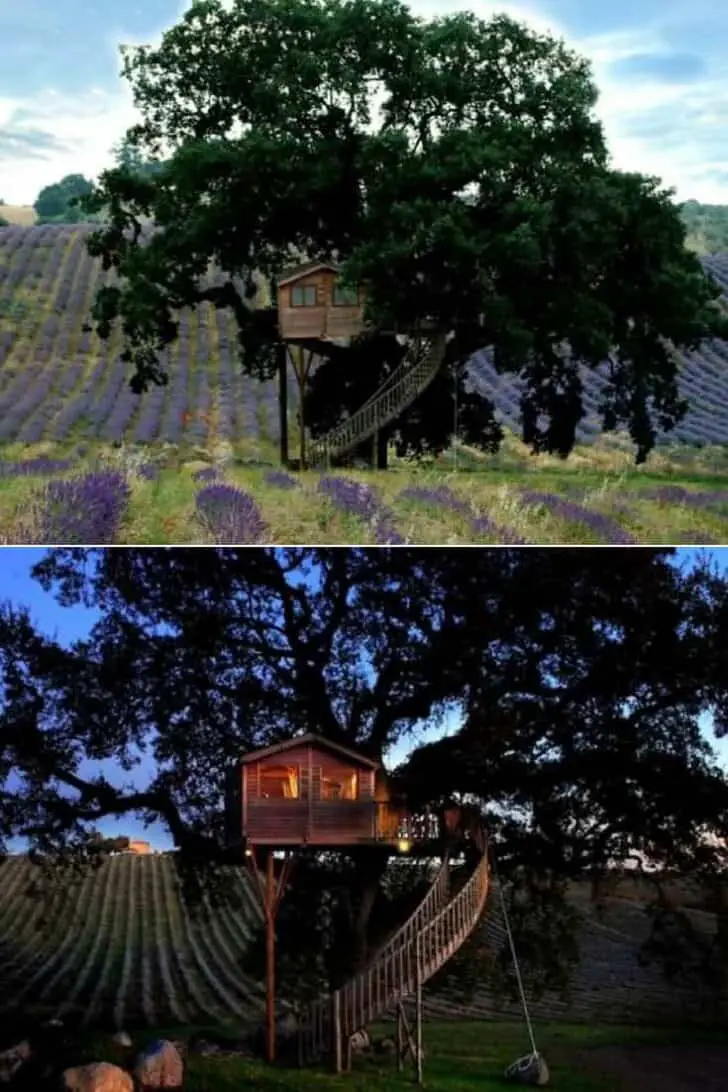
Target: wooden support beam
<point x="270" y="959"/>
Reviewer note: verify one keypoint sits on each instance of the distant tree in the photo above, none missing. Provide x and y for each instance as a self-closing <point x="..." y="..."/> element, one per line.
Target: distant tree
<point x="4" y="222"/>
<point x="706" y="226"/>
<point x="128" y="158"/>
<point x="56" y="203"/>
<point x="483" y="198"/>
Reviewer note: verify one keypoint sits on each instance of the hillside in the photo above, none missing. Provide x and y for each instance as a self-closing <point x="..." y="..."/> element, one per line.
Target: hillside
<point x="124" y="950"/>
<point x="59" y="382"/>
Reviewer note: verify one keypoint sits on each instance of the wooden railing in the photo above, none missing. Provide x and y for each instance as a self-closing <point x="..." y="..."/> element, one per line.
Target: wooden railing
<point x="429" y="937"/>
<point x="393" y="397"/>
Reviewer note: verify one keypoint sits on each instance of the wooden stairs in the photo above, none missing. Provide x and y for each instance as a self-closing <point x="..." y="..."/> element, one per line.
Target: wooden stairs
<point x="419" y="948"/>
<point x="398" y="392"/>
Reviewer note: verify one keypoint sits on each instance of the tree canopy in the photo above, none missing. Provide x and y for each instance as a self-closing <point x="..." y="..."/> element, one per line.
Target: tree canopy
<point x="58" y="203"/>
<point x="454" y="166"/>
<point x="577" y="680"/>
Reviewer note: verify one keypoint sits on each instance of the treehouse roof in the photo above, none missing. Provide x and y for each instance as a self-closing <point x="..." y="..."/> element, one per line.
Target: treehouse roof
<point x="316" y="741"/>
<point x="295" y="272"/>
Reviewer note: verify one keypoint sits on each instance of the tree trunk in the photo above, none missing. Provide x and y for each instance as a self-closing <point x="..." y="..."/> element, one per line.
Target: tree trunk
<point x="382" y="438"/>
<point x="352" y="941"/>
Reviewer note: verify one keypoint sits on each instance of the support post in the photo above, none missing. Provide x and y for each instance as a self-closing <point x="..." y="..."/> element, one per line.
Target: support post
<point x="418" y="997"/>
<point x="270" y="958"/>
<point x="283" y="400"/>
<point x="336" y="1030"/>
<point x="400" y="1047"/>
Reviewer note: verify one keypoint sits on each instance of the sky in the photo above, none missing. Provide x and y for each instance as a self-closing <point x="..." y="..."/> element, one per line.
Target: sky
<point x="661" y="67"/>
<point x="66" y="624"/>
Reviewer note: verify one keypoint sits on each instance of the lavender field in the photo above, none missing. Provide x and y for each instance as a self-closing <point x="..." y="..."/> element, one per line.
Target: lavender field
<point x="84" y="459"/>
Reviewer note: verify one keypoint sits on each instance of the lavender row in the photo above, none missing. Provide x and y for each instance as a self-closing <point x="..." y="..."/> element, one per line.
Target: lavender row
<point x="443" y="497"/>
<point x="363" y="502"/>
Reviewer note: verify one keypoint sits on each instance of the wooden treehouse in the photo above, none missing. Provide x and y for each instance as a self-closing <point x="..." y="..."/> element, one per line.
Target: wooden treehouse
<point x="310" y="791"/>
<point x="312" y="304"/>
<point x="314" y="308"/>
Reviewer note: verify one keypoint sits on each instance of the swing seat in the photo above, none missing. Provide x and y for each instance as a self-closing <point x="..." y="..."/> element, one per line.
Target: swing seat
<point x="530" y="1069"/>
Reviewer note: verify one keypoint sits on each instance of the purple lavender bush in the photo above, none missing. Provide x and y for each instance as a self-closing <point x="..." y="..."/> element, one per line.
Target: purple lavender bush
<point x="85" y="510"/>
<point x="229" y="514"/>
<point x="357" y="499"/>
<point x="280" y="480"/>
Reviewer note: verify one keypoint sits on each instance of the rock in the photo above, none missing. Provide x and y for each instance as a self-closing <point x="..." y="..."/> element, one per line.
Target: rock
<point x="12" y="1059"/>
<point x="160" y="1066"/>
<point x="97" y="1077"/>
<point x="359" y="1041"/>
<point x="386" y="1046"/>
<point x="531" y="1069"/>
<point x="122" y="1039"/>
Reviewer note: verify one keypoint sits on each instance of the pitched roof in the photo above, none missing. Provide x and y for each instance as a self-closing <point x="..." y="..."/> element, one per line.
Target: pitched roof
<point x="315" y="740"/>
<point x="293" y="272"/>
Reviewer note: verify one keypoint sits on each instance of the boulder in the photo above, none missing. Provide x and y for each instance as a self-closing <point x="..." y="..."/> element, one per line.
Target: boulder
<point x="97" y="1077"/>
<point x="531" y="1069"/>
<point x="160" y="1066"/>
<point x="12" y="1059"/>
<point x="359" y="1041"/>
<point x="122" y="1039"/>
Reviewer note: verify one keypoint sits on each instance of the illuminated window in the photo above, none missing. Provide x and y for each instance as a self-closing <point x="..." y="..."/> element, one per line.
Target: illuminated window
<point x="345" y="297"/>
<point x="303" y="295"/>
<point x="344" y="788"/>
<point x="279" y="783"/>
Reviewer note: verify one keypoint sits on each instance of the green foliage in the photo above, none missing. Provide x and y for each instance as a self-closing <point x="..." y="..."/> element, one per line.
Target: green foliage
<point x="4" y="222"/>
<point x="706" y="226"/>
<point x="482" y="197"/>
<point x="58" y="203"/>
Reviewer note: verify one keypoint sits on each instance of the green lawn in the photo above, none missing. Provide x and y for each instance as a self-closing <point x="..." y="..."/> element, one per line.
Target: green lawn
<point x="459" y="1057"/>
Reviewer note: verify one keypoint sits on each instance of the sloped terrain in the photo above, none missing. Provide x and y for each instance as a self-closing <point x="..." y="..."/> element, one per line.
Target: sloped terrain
<point x="124" y="949"/>
<point x="59" y="382"/>
<point x="703" y="382"/>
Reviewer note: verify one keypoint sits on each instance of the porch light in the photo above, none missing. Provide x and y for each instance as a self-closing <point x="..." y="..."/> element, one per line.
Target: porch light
<point x="404" y="845"/>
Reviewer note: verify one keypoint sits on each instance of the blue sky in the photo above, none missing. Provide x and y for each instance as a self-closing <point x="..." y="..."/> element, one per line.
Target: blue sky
<point x="661" y="67"/>
<point x="67" y="624"/>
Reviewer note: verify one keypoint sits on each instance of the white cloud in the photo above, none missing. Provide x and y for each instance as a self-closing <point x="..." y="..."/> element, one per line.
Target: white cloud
<point x="90" y="124"/>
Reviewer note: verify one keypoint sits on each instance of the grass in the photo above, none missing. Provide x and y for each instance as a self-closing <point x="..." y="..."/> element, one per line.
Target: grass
<point x="459" y="1057"/>
<point x="601" y="479"/>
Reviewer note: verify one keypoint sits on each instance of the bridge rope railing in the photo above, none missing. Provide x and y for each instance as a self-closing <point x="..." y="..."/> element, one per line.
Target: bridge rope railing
<point x="429" y="937"/>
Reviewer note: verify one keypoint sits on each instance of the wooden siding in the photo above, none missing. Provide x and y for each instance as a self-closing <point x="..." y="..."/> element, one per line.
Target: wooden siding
<point x="326" y="318"/>
<point x="309" y="816"/>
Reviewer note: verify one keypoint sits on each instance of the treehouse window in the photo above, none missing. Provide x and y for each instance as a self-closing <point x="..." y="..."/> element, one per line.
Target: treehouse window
<point x="345" y="297"/>
<point x="279" y="783"/>
<point x="339" y="788"/>
<point x="303" y="295"/>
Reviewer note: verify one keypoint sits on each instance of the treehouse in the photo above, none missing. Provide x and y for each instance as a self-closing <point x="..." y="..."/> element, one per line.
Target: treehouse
<point x="311" y="791"/>
<point x="312" y="304"/>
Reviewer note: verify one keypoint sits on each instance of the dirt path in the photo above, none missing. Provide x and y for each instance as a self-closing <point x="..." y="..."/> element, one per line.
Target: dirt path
<point x="657" y="1069"/>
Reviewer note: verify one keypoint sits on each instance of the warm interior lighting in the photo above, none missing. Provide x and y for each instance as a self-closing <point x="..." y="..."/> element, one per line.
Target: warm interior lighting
<point x="404" y="845"/>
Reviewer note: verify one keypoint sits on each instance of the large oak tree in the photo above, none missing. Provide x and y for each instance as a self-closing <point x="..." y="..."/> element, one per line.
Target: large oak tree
<point x="579" y="678"/>
<point x="454" y="166"/>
